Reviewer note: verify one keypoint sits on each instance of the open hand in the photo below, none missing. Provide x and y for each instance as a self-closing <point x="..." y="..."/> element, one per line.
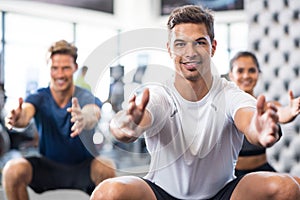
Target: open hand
<point x="294" y="104"/>
<point x="266" y="120"/>
<point x="76" y="117"/>
<point x="13" y="116"/>
<point x="126" y="123"/>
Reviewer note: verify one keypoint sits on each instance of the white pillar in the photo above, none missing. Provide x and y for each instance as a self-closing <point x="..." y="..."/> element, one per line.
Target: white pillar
<point x="136" y="13"/>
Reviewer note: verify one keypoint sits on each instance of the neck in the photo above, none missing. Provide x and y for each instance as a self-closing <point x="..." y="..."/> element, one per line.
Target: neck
<point x="62" y="97"/>
<point x="193" y="90"/>
<point x="251" y="93"/>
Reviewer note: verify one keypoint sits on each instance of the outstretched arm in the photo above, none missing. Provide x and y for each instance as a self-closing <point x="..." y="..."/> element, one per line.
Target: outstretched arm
<point x="289" y="113"/>
<point x="260" y="125"/>
<point x="21" y="116"/>
<point x="85" y="118"/>
<point x="128" y="125"/>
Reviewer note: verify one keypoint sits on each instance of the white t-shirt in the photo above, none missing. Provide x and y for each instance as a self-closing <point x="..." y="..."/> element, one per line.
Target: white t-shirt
<point x="194" y="145"/>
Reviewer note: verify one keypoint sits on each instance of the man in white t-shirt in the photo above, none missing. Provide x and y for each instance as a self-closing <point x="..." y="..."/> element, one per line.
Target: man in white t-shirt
<point x="194" y="128"/>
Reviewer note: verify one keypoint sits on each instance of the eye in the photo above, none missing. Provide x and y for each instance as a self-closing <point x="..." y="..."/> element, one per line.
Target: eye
<point x="240" y="71"/>
<point x="53" y="68"/>
<point x="67" y="68"/>
<point x="179" y="44"/>
<point x="252" y="70"/>
<point x="200" y="42"/>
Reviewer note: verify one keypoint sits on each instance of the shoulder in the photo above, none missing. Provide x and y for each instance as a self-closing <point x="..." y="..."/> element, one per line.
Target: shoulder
<point x="229" y="88"/>
<point x="86" y="97"/>
<point x="41" y="92"/>
<point x="161" y="93"/>
<point x="224" y="83"/>
<point x="40" y="97"/>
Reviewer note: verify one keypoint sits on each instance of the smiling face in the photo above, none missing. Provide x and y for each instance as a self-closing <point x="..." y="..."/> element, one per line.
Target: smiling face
<point x="245" y="73"/>
<point x="62" y="68"/>
<point x="191" y="49"/>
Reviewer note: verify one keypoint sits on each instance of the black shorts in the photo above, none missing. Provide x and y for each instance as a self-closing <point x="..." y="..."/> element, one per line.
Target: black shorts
<point x="223" y="194"/>
<point x="264" y="167"/>
<point x="50" y="175"/>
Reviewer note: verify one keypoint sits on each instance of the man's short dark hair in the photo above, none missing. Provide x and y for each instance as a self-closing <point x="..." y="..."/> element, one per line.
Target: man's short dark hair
<point x="192" y="14"/>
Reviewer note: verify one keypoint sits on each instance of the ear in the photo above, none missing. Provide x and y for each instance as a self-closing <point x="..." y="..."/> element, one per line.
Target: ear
<point x="213" y="47"/>
<point x="76" y="67"/>
<point x="169" y="49"/>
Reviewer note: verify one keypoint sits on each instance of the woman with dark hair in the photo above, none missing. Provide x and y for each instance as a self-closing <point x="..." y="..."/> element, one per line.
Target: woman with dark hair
<point x="244" y="71"/>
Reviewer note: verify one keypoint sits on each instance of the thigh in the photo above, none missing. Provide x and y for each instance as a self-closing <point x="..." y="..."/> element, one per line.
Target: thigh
<point x="101" y="169"/>
<point x="50" y="175"/>
<point x="17" y="170"/>
<point x="263" y="185"/>
<point x="123" y="187"/>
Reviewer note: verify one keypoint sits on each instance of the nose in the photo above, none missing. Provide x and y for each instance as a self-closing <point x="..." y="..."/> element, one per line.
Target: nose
<point x="190" y="50"/>
<point x="58" y="72"/>
<point x="245" y="75"/>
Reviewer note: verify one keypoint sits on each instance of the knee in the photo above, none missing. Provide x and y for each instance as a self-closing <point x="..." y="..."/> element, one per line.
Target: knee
<point x="15" y="172"/>
<point x="108" y="190"/>
<point x="282" y="186"/>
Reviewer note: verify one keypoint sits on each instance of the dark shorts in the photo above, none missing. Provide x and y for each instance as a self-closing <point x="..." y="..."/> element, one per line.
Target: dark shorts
<point x="223" y="194"/>
<point x="264" y="167"/>
<point x="50" y="175"/>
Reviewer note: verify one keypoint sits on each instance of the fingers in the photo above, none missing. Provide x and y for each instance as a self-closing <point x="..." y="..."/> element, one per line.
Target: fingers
<point x="291" y="95"/>
<point x="261" y="100"/>
<point x="126" y="124"/>
<point x="271" y="111"/>
<point x="9" y="119"/>
<point x="75" y="133"/>
<point x="294" y="103"/>
<point x="8" y="123"/>
<point x="131" y="105"/>
<point x="20" y="103"/>
<point x="77" y="126"/>
<point x="262" y="106"/>
<point x="268" y="127"/>
<point x="75" y="103"/>
<point x="268" y="119"/>
<point x="13" y="115"/>
<point x="76" y="118"/>
<point x="145" y="99"/>
<point x="141" y="107"/>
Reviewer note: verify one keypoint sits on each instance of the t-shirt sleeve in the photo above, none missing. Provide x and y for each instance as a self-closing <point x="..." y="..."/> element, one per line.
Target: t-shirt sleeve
<point x="239" y="99"/>
<point x="85" y="97"/>
<point x="35" y="99"/>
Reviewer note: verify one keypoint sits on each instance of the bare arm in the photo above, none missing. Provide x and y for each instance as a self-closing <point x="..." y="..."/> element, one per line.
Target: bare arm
<point x="289" y="113"/>
<point x="128" y="125"/>
<point x="260" y="126"/>
<point x="21" y="116"/>
<point x="83" y="118"/>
